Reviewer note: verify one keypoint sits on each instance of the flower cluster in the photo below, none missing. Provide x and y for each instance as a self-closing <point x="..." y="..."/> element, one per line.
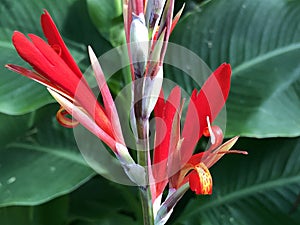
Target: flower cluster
<point x="148" y="25"/>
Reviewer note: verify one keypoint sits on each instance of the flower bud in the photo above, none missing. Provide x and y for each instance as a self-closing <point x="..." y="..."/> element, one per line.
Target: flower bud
<point x="139" y="44"/>
<point x="152" y="87"/>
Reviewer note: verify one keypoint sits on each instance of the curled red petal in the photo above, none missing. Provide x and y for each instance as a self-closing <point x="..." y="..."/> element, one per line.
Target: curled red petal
<point x="64" y="120"/>
<point x="216" y="137"/>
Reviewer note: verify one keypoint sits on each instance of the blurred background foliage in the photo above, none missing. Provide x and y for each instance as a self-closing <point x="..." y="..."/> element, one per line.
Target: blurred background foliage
<point x="43" y="178"/>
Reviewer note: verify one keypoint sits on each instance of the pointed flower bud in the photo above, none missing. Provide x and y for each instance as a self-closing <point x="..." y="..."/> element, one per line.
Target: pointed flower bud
<point x="139" y="44"/>
<point x="152" y="87"/>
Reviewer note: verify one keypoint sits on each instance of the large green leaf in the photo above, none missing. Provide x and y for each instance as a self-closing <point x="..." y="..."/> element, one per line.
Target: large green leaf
<point x="261" y="188"/>
<point x="19" y="95"/>
<point x="100" y="201"/>
<point x="96" y="202"/>
<point x="40" y="164"/>
<point x="261" y="40"/>
<point x="13" y="127"/>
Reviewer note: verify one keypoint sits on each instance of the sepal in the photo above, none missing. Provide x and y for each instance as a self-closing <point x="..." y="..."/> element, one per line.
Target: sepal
<point x="168" y="205"/>
<point x="135" y="172"/>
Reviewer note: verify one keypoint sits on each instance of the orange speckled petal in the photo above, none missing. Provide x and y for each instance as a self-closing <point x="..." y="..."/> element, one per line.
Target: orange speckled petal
<point x="200" y="180"/>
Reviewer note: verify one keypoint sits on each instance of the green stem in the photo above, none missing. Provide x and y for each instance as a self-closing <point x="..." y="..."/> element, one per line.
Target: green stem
<point x="143" y="156"/>
<point x="145" y="196"/>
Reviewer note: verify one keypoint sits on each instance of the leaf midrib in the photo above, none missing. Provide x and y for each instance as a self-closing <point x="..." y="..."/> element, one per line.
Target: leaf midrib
<point x="275" y="53"/>
<point x="268" y="55"/>
<point x="244" y="192"/>
<point x="6" y="44"/>
<point x="56" y="152"/>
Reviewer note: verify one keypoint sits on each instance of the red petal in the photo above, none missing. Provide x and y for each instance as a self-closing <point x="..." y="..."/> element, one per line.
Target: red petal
<point x="54" y="38"/>
<point x="214" y="93"/>
<point x="164" y="113"/>
<point x="159" y="106"/>
<point x="190" y="132"/>
<point x="196" y="159"/>
<point x="45" y="61"/>
<point x="208" y="102"/>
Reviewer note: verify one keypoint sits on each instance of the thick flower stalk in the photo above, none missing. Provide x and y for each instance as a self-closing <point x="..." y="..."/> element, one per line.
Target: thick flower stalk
<point x="148" y="25"/>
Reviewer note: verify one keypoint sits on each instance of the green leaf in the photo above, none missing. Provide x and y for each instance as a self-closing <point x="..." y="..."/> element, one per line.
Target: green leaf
<point x="261" y="40"/>
<point x="54" y="212"/>
<point x="13" y="127"/>
<point x="108" y="18"/>
<point x="19" y="95"/>
<point x="100" y="201"/>
<point x="41" y="164"/>
<point x="261" y="188"/>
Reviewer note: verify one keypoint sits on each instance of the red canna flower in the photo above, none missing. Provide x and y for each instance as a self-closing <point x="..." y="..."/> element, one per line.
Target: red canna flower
<point x="54" y="67"/>
<point x="173" y="152"/>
